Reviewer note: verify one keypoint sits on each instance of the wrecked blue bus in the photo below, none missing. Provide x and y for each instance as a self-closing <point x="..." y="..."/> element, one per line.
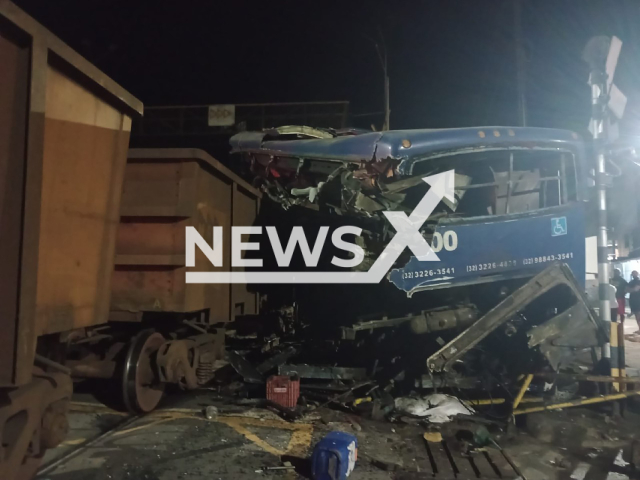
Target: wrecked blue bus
<point x="518" y="220"/>
<point x="519" y="194"/>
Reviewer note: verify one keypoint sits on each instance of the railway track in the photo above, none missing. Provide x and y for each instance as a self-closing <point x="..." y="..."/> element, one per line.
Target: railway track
<point x="128" y="421"/>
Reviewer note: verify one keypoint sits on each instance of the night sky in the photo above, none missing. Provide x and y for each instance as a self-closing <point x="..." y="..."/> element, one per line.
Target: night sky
<point x="451" y="63"/>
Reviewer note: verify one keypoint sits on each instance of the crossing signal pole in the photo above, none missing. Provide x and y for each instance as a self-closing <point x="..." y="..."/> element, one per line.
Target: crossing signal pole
<point x="607" y="103"/>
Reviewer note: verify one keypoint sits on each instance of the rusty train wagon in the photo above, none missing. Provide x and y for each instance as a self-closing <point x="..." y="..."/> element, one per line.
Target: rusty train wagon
<point x="64" y="137"/>
<point x="180" y="325"/>
<point x="160" y="329"/>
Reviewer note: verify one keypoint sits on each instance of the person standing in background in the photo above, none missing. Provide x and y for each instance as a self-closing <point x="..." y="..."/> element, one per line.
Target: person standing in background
<point x="634" y="296"/>
<point x="621" y="290"/>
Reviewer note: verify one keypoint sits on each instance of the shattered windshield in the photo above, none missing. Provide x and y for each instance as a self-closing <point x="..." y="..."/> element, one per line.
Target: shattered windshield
<point x="504" y="182"/>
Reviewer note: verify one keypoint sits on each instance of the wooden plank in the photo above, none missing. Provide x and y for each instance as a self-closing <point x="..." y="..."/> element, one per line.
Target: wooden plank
<point x="501" y="463"/>
<point x="439" y="460"/>
<point x="484" y="463"/>
<point x="466" y="468"/>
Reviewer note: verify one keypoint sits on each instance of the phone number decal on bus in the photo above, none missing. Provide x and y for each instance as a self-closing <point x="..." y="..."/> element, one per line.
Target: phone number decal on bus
<point x="429" y="273"/>
<point x="480" y="267"/>
<point x="483" y="267"/>
<point x="548" y="258"/>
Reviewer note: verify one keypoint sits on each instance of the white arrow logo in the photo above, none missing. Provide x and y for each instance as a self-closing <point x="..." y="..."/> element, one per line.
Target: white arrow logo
<point x="407" y="235"/>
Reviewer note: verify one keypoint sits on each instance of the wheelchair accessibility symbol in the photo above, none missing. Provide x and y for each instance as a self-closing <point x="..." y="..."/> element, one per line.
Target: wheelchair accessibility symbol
<point x="558" y="226"/>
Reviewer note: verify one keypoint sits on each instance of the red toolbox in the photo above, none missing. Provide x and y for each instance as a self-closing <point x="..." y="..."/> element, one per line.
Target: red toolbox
<point x="283" y="390"/>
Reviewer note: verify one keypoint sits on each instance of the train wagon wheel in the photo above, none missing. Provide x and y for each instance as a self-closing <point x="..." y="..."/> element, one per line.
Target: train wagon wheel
<point x="141" y="388"/>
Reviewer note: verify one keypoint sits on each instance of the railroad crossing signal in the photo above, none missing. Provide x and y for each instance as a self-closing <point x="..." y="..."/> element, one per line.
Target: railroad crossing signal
<point x="602" y="54"/>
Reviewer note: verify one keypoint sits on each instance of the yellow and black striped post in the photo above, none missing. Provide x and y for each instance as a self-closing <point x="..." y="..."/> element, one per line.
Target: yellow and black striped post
<point x="615" y="354"/>
<point x="621" y="358"/>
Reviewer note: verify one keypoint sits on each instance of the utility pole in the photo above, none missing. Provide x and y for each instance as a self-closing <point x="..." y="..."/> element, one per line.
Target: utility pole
<point x="387" y="110"/>
<point x="520" y="63"/>
<point x="382" y="56"/>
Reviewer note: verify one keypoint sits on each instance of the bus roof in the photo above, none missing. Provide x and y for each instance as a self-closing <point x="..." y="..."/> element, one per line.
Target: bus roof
<point x="407" y="146"/>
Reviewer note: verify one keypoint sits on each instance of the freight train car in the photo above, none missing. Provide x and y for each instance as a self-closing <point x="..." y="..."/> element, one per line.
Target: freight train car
<point x="71" y="207"/>
<point x="64" y="135"/>
<point x="161" y="329"/>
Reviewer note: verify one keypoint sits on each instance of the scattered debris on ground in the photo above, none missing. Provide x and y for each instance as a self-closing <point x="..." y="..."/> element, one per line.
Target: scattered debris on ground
<point x="460" y="391"/>
<point x="436" y="408"/>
